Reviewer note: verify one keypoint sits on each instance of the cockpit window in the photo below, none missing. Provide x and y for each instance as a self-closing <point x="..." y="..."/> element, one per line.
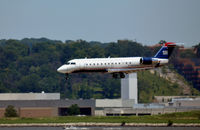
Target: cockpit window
<point x="71" y="63"/>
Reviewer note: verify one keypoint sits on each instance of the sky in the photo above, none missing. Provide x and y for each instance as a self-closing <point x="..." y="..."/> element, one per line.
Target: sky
<point x="144" y="21"/>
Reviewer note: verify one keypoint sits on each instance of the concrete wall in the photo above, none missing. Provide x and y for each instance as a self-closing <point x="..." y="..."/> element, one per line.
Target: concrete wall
<point x="129" y="88"/>
<point x="99" y="113"/>
<point x="29" y="96"/>
<point x="166" y="99"/>
<point x="193" y="103"/>
<point x="108" y="103"/>
<point x="104" y="103"/>
<point x="141" y="111"/>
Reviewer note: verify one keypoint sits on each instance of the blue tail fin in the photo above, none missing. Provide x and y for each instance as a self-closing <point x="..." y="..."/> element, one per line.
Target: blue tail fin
<point x="165" y="51"/>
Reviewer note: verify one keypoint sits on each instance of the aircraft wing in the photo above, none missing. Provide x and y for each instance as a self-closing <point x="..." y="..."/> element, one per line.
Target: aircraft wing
<point x="128" y="70"/>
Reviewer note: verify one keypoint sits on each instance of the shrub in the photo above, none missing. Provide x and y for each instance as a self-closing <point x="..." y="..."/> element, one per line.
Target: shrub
<point x="170" y="123"/>
<point x="10" y="111"/>
<point x="198" y="116"/>
<point x="123" y="123"/>
<point x="74" y="110"/>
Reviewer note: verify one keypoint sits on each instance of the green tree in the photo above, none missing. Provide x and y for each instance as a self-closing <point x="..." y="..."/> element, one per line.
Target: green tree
<point x="29" y="83"/>
<point x="197" y="48"/>
<point x="74" y="110"/>
<point x="162" y="42"/>
<point x="30" y="65"/>
<point x="3" y="89"/>
<point x="10" y="111"/>
<point x="187" y="54"/>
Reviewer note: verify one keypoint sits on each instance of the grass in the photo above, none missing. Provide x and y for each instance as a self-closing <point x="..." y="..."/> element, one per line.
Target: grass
<point x="181" y="117"/>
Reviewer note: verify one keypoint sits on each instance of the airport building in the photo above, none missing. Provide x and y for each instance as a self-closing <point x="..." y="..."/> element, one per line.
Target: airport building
<point x="50" y="104"/>
<point x="43" y="104"/>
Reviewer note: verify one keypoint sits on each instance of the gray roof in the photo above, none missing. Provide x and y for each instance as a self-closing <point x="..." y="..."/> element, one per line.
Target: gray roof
<point x="47" y="103"/>
<point x="30" y="96"/>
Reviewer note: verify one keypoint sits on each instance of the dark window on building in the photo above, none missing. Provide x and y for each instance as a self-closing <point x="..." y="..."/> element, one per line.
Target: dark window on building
<point x="83" y="111"/>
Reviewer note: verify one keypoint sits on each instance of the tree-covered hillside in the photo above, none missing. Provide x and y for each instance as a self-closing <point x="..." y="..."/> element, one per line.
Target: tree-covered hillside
<point x="30" y="65"/>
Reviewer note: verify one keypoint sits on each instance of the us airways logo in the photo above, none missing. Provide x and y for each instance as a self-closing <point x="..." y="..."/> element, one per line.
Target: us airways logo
<point x="165" y="52"/>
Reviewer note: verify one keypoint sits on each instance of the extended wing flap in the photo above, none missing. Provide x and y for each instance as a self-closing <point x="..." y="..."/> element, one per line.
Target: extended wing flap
<point x="128" y="70"/>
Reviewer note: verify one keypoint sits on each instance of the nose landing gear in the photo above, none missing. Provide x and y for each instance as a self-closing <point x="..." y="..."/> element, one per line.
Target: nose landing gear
<point x="66" y="76"/>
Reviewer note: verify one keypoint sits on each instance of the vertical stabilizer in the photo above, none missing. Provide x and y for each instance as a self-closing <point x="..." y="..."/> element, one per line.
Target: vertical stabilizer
<point x="166" y="50"/>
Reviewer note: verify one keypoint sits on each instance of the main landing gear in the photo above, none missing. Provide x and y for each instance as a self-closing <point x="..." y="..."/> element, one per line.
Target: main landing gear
<point x="116" y="75"/>
<point x="122" y="75"/>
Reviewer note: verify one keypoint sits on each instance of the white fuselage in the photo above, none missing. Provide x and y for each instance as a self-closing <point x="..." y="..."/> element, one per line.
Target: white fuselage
<point x="109" y="65"/>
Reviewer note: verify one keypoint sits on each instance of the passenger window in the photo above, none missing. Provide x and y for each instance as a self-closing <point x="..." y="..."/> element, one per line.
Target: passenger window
<point x="73" y="63"/>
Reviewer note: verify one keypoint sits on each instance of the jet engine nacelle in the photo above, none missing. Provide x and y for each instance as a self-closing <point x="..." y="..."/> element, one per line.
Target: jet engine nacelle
<point x="149" y="61"/>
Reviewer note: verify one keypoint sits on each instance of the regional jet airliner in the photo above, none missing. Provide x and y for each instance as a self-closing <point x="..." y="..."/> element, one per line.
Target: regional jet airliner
<point x="118" y="67"/>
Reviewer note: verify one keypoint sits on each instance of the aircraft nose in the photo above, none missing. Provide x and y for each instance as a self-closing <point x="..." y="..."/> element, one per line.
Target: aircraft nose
<point x="62" y="69"/>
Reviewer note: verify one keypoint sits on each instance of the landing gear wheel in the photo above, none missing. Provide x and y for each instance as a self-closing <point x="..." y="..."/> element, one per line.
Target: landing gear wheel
<point x="115" y="75"/>
<point x="66" y="76"/>
<point x="157" y="65"/>
<point x="122" y="75"/>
